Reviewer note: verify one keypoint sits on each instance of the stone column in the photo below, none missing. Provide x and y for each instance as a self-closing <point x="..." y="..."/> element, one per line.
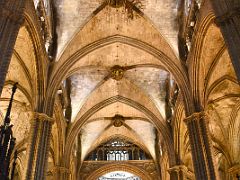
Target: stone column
<point x="200" y="146"/>
<point x="38" y="146"/>
<point x="11" y="18"/>
<point x="180" y="172"/>
<point x="228" y="19"/>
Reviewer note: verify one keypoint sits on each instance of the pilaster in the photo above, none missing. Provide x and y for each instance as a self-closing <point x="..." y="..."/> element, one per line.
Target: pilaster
<point x="200" y="146"/>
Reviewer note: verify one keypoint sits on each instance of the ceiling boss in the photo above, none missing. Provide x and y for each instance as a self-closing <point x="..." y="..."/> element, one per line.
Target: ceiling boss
<point x="129" y="5"/>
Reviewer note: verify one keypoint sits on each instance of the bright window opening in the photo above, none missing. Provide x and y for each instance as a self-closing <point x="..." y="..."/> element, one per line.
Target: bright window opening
<point x="119" y="175"/>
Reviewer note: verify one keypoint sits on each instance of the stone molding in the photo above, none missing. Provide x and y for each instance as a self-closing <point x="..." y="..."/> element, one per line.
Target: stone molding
<point x="142" y="168"/>
<point x="234" y="170"/>
<point x="61" y="169"/>
<point x="43" y="117"/>
<point x="178" y="168"/>
<point x="195" y="117"/>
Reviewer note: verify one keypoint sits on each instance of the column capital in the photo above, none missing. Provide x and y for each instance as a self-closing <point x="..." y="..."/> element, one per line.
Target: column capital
<point x="195" y="117"/>
<point x="234" y="170"/>
<point x="181" y="169"/>
<point x="61" y="169"/>
<point x="178" y="168"/>
<point x="43" y="117"/>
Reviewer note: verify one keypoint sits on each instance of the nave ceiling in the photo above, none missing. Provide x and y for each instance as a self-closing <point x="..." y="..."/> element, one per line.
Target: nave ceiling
<point x="104" y="68"/>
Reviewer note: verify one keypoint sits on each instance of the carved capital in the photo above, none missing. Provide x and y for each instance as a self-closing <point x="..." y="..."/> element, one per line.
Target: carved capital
<point x="234" y="170"/>
<point x="195" y="117"/>
<point x="43" y="117"/>
<point x="61" y="170"/>
<point x="181" y="169"/>
<point x="178" y="168"/>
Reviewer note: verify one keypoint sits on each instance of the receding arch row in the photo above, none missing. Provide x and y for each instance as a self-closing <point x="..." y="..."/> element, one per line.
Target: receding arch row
<point x="174" y="66"/>
<point x="164" y="131"/>
<point x="119" y="167"/>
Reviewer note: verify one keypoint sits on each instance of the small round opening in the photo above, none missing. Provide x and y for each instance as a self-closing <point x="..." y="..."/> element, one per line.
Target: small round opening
<point x="119" y="175"/>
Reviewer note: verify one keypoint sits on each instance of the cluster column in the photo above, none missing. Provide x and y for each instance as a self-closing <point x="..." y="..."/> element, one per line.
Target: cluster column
<point x="228" y="19"/>
<point x="11" y="19"/>
<point x="39" y="146"/>
<point x="200" y="146"/>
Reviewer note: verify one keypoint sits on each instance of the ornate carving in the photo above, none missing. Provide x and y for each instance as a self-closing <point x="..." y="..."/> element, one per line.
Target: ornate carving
<point x="150" y="167"/>
<point x="43" y="117"/>
<point x="61" y="170"/>
<point x="195" y="117"/>
<point x="118" y="120"/>
<point x="234" y="170"/>
<point x="117" y="72"/>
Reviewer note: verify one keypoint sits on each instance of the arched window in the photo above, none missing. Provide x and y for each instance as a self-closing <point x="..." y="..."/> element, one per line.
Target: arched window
<point x="117" y="149"/>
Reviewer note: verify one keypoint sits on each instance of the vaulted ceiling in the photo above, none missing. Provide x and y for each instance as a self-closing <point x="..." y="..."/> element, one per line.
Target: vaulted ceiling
<point x="117" y="69"/>
<point x="73" y="15"/>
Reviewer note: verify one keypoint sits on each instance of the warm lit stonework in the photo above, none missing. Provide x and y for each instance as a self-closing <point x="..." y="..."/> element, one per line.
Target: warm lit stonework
<point x="120" y="89"/>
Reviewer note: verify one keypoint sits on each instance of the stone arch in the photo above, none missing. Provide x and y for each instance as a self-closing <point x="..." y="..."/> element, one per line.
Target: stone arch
<point x="41" y="57"/>
<point x="197" y="50"/>
<point x="215" y="87"/>
<point x="119" y="167"/>
<point x="75" y="129"/>
<point x="174" y="67"/>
